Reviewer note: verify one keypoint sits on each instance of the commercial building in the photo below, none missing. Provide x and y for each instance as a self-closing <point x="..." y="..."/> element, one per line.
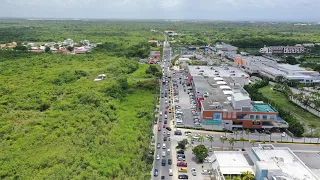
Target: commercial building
<point x="279" y="163"/>
<point x="231" y="163"/>
<point x="224" y="103"/>
<point x="282" y="49"/>
<point x="226" y="47"/>
<point x="272" y="69"/>
<point x="265" y="162"/>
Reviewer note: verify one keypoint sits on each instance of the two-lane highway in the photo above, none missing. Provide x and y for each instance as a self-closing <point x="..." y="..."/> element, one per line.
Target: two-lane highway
<point x="165" y="118"/>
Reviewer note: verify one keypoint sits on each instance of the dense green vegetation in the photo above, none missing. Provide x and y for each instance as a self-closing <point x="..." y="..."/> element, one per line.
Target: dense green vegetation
<point x="295" y="125"/>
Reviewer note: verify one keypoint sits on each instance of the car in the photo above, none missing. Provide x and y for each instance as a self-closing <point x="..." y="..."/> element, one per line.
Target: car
<point x="193" y="172"/>
<point x="163" y="154"/>
<point x="267" y="132"/>
<point x="165" y="112"/>
<point x="183" y="170"/>
<point x="205" y="172"/>
<point x="170" y="171"/>
<point x="181" y="155"/>
<point x="182" y="164"/>
<point x="210" y="149"/>
<point x="160" y="113"/>
<point x="168" y="151"/>
<point x="177" y="132"/>
<point x="169" y="161"/>
<point x="158" y="145"/>
<point x="180" y="152"/>
<point x="165" y="122"/>
<point x="164" y="146"/>
<point x="162" y="177"/>
<point x="163" y="162"/>
<point x="181" y="159"/>
<point x="164" y="138"/>
<point x="283" y="134"/>
<point x="164" y="133"/>
<point x="183" y="176"/>
<point x="155" y="172"/>
<point x="166" y="116"/>
<point x="159" y="128"/>
<point x="224" y="137"/>
<point x="168" y="133"/>
<point x="187" y="133"/>
<point x="168" y="128"/>
<point x="164" y="125"/>
<point x="158" y="157"/>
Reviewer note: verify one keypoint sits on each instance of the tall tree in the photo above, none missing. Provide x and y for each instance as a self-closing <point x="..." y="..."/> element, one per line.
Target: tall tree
<point x="222" y="141"/>
<point x="252" y="142"/>
<point x="201" y="152"/>
<point x="235" y="131"/>
<point x="231" y="142"/>
<point x="248" y="133"/>
<point x="242" y="140"/>
<point x="211" y="139"/>
<point x="201" y="139"/>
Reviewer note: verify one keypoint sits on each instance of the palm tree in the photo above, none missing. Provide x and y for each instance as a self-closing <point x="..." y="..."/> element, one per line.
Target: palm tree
<point x="248" y="132"/>
<point x="201" y="139"/>
<point x="211" y="139"/>
<point x="222" y="141"/>
<point x="225" y="131"/>
<point x="190" y="137"/>
<point x="235" y="131"/>
<point x="231" y="142"/>
<point x="247" y="175"/>
<point x="252" y="142"/>
<point x="242" y="140"/>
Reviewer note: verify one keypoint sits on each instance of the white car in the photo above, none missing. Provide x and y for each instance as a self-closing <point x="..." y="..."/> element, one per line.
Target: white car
<point x="160" y="113"/>
<point x="283" y="134"/>
<point x="207" y="160"/>
<point x="170" y="172"/>
<point x="193" y="171"/>
<point x="163" y="154"/>
<point x="158" y="157"/>
<point x="168" y="151"/>
<point x="164" y="146"/>
<point x="205" y="172"/>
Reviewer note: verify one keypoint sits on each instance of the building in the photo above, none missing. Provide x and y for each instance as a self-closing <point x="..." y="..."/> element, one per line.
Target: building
<point x="279" y="163"/>
<point x="68" y="42"/>
<point x="231" y="163"/>
<point x="282" y="50"/>
<point x="85" y="42"/>
<point x="224" y="103"/>
<point x="154" y="41"/>
<point x="226" y="47"/>
<point x="271" y="69"/>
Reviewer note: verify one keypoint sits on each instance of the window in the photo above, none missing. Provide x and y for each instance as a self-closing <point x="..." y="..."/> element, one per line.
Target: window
<point x="272" y="118"/>
<point x="257" y="116"/>
<point x="264" y="117"/>
<point x="251" y="116"/>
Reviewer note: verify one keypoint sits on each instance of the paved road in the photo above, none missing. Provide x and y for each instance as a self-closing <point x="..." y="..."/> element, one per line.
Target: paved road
<point x="163" y="170"/>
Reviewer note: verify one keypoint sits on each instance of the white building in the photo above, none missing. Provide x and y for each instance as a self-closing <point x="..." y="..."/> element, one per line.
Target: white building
<point x="271" y="69"/>
<point x="282" y="50"/>
<point x="68" y="42"/>
<point x="279" y="163"/>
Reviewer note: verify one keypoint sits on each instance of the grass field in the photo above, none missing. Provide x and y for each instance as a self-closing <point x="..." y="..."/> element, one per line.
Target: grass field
<point x="302" y="115"/>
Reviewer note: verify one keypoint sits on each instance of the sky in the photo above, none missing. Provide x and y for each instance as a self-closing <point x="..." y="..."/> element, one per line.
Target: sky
<point x="234" y="10"/>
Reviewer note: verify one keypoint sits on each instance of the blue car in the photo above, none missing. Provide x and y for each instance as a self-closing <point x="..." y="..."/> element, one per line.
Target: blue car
<point x="155" y="172"/>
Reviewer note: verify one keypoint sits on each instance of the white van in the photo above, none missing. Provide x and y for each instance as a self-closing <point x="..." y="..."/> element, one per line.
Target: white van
<point x="168" y="151"/>
<point x="170" y="172"/>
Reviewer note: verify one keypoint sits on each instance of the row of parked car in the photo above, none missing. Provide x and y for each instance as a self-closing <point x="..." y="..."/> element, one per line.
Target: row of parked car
<point x="182" y="164"/>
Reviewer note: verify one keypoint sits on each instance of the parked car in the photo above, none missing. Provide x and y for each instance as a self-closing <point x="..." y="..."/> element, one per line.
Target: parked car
<point x="177" y="132"/>
<point x="164" y="138"/>
<point x="155" y="172"/>
<point x="180" y="151"/>
<point x="193" y="171"/>
<point x="164" y="125"/>
<point x="158" y="145"/>
<point x="159" y="128"/>
<point x="183" y="176"/>
<point x="182" y="164"/>
<point x="169" y="161"/>
<point x="158" y="157"/>
<point x="283" y="134"/>
<point x="168" y="128"/>
<point x="163" y="162"/>
<point x="170" y="171"/>
<point x="205" y="172"/>
<point x="164" y="146"/>
<point x="181" y="155"/>
<point x="224" y="137"/>
<point x="183" y="170"/>
<point x="162" y="177"/>
<point x="181" y="159"/>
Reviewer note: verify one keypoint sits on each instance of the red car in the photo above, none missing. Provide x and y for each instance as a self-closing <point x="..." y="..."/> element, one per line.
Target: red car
<point x="182" y="164"/>
<point x="164" y="126"/>
<point x="167" y="107"/>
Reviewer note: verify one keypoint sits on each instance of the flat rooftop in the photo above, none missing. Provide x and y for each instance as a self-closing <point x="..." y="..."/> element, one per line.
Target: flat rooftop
<point x="291" y="166"/>
<point x="233" y="162"/>
<point x="214" y="71"/>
